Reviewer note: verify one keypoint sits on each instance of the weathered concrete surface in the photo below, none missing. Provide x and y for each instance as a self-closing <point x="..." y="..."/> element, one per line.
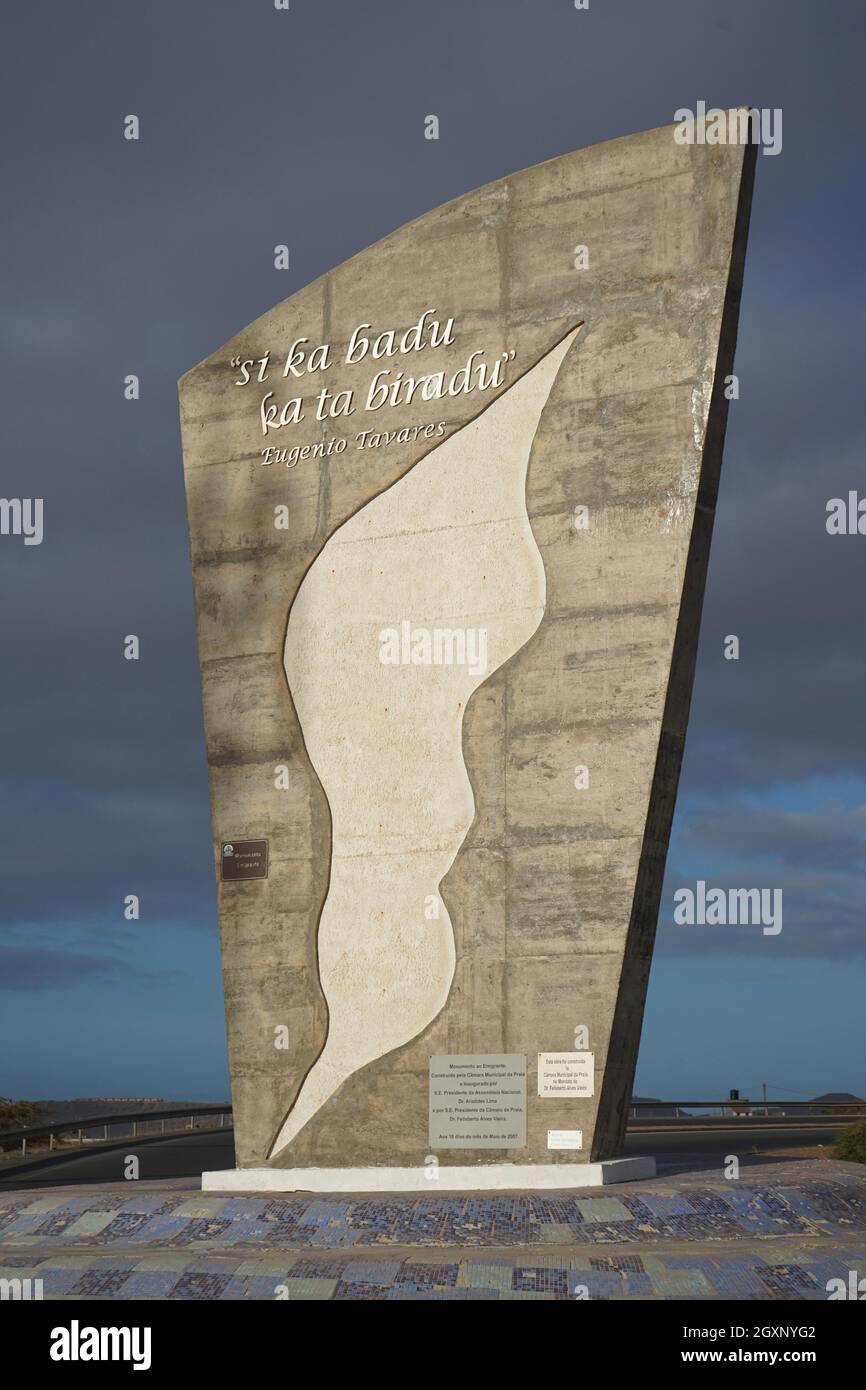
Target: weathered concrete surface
<point x="554" y="893"/>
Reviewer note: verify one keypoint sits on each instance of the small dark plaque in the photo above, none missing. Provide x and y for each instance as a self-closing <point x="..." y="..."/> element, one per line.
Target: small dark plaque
<point x="244" y="858"/>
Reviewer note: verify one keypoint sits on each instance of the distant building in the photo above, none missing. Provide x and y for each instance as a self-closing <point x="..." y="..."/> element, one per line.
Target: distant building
<point x="124" y="1100"/>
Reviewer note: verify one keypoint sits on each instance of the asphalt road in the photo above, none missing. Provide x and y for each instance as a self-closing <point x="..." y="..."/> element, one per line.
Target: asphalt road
<point x="188" y="1155"/>
<point x="185" y="1155"/>
<point x="678" y="1151"/>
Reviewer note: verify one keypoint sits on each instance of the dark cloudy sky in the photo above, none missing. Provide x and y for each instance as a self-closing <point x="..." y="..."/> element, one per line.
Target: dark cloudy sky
<point x="260" y="127"/>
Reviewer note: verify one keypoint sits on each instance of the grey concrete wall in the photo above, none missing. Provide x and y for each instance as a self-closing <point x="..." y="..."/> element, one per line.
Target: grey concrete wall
<point x="554" y="892"/>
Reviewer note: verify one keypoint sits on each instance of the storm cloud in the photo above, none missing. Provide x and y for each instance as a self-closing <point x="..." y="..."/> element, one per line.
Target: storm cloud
<point x="305" y="127"/>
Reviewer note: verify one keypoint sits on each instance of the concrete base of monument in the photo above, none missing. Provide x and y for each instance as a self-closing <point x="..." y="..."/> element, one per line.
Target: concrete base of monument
<point x="491" y="1177"/>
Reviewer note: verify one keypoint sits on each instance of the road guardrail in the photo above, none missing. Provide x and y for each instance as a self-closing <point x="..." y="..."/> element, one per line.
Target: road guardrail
<point x="10" y="1137"/>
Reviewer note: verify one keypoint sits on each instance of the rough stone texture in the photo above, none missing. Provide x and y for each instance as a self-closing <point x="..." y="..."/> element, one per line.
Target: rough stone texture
<point x="554" y="893"/>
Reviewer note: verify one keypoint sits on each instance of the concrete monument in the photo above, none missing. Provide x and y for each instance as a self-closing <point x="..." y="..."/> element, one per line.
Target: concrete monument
<point x="450" y="511"/>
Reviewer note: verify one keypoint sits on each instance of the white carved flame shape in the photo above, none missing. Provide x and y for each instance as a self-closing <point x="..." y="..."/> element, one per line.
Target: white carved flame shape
<point x="447" y="548"/>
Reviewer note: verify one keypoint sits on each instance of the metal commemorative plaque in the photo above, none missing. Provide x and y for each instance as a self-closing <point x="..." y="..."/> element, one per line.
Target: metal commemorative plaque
<point x="243" y="859"/>
<point x="478" y="1101"/>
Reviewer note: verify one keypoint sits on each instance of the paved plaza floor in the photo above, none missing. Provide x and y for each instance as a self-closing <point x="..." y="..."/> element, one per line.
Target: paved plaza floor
<point x="779" y="1232"/>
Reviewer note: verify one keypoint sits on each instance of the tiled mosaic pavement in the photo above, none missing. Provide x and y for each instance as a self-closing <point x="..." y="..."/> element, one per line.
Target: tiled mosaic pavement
<point x="689" y="1241"/>
<point x="775" y="1273"/>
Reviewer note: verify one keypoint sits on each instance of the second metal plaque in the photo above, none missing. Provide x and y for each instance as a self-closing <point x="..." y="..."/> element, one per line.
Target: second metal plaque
<point x="244" y="859"/>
